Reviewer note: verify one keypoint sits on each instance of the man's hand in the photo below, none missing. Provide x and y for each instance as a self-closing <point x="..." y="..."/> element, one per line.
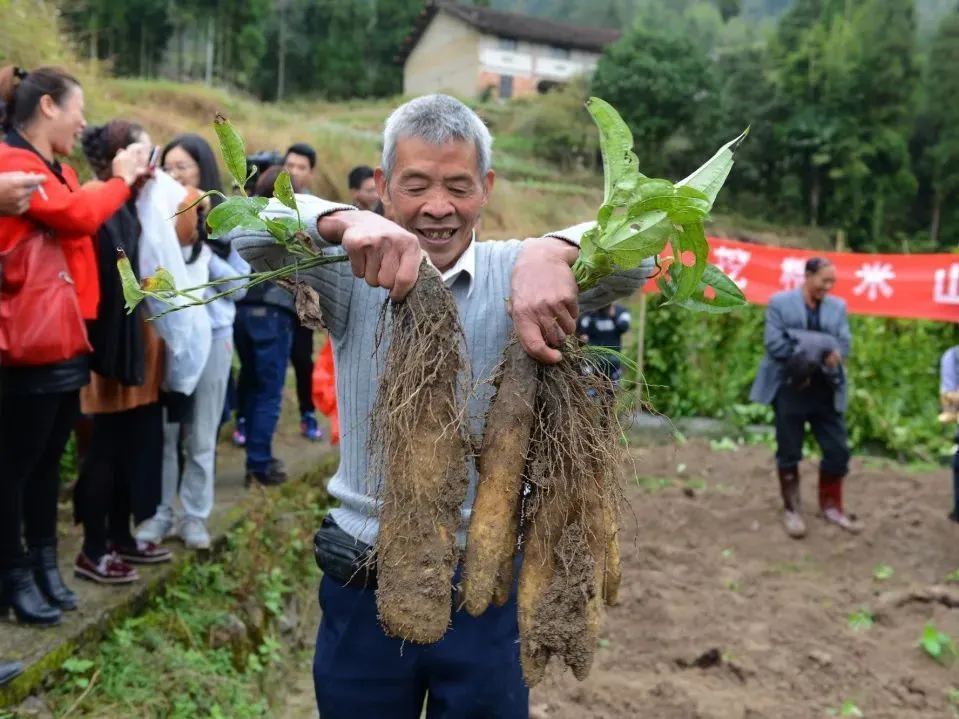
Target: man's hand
<point x="833" y="359"/>
<point x="381" y="252"/>
<point x="544" y="302"/>
<point x="16" y="190"/>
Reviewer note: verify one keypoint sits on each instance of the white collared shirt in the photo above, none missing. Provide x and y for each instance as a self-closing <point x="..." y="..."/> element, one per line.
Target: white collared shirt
<point x="466" y="263"/>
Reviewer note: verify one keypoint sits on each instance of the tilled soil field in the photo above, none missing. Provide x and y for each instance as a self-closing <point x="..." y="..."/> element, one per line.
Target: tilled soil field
<point x="722" y="616"/>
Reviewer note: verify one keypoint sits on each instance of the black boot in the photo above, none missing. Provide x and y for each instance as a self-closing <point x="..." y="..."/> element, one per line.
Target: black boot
<point x="43" y="559"/>
<point x="19" y="592"/>
<point x="792" y="504"/>
<point x="9" y="670"/>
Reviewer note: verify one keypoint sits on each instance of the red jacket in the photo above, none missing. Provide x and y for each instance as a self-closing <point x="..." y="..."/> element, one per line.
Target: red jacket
<point x="73" y="213"/>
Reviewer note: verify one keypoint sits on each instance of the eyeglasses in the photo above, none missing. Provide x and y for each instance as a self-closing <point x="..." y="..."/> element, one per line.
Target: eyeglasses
<point x="179" y="167"/>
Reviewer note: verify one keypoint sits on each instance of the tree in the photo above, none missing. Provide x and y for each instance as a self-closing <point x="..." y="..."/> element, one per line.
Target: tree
<point x="662" y="84"/>
<point x="942" y="111"/>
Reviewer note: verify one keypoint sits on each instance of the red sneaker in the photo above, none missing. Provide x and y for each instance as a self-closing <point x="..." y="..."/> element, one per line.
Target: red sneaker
<point x="109" y="570"/>
<point x="142" y="553"/>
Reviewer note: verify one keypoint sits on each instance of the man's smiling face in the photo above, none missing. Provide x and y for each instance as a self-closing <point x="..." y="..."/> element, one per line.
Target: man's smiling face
<point x="437" y="193"/>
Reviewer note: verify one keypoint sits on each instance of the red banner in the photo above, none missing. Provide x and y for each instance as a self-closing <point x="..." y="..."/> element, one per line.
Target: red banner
<point x="917" y="286"/>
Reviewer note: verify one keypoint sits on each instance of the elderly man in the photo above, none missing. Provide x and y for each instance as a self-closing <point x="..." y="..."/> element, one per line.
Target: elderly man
<point x="435" y="180"/>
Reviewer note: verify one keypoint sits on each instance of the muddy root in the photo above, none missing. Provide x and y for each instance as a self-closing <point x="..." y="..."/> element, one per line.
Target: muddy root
<point x="419" y="447"/>
<point x="572" y="514"/>
<point x="494" y="522"/>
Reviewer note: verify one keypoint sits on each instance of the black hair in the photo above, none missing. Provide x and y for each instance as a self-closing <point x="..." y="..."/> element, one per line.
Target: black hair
<point x="301" y="148"/>
<point x="359" y="175"/>
<point x="101" y="143"/>
<point x="202" y="154"/>
<point x="814" y="264"/>
<point x="21" y="92"/>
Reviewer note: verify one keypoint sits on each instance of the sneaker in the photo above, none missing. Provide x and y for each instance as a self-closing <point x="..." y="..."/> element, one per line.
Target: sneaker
<point x="276" y="474"/>
<point x="155" y="529"/>
<point x="834" y="515"/>
<point x="142" y="553"/>
<point x="109" y="570"/>
<point x="309" y="428"/>
<point x="239" y="433"/>
<point x="193" y="533"/>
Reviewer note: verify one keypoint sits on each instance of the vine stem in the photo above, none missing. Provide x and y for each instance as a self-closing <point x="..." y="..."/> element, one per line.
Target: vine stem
<point x="256" y="279"/>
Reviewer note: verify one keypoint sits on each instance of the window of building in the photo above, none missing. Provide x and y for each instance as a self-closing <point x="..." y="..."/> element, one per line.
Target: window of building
<point x="505" y="87"/>
<point x="507" y="43"/>
<point x="560" y="53"/>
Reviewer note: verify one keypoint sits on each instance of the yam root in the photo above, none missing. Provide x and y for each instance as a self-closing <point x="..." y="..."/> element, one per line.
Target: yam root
<point x="494" y="522"/>
<point x="613" y="568"/>
<point x="419" y="446"/>
<point x="568" y="566"/>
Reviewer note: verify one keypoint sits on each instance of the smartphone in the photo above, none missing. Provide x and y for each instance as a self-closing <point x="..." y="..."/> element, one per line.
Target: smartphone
<point x="154" y="158"/>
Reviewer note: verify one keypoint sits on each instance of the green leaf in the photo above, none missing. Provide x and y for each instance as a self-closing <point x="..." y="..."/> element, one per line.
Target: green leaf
<point x="616" y="145"/>
<point x="132" y="294"/>
<point x="278" y="230"/>
<point x="692" y="238"/>
<point x="160" y="281"/>
<point x="283" y="190"/>
<point x="232" y="149"/>
<point x="727" y="297"/>
<point x="861" y="619"/>
<point x="710" y="177"/>
<point x="632" y="243"/>
<point x="882" y="572"/>
<point x="237" y="212"/>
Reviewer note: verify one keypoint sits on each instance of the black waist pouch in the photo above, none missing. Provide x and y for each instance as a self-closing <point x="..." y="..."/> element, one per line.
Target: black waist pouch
<point x="342" y="558"/>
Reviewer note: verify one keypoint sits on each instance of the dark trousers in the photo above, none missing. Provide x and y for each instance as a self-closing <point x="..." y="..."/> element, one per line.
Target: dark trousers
<point x="955" y="483"/>
<point x="793" y="411"/>
<point x="34" y="429"/>
<point x="301" y="355"/>
<point x="121" y="476"/>
<point x="473" y="672"/>
<point x="262" y="336"/>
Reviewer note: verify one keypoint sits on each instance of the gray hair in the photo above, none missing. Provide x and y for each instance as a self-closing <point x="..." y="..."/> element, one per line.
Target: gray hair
<point x="436" y="119"/>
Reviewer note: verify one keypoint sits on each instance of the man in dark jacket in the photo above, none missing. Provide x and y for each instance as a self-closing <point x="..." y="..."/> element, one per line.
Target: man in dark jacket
<point x="263" y="337"/>
<point x="605" y="328"/>
<point x="803" y="378"/>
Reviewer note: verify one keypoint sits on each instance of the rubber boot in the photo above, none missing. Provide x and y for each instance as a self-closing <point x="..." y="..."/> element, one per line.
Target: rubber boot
<point x="792" y="503"/>
<point x="43" y="559"/>
<point x="830" y="502"/>
<point x="18" y="591"/>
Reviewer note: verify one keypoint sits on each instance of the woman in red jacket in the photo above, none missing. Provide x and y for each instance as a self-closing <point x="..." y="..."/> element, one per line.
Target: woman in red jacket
<point x="40" y="399"/>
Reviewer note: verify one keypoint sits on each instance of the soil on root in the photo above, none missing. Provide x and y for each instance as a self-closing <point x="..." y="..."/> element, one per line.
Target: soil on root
<point x="418" y="445"/>
<point x="722" y="616"/>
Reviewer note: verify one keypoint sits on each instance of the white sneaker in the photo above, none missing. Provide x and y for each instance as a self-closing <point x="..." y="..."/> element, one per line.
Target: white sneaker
<point x="193" y="533"/>
<point x="155" y="529"/>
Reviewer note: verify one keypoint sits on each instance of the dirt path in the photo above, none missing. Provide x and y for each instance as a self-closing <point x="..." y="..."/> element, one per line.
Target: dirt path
<point x="709" y="574"/>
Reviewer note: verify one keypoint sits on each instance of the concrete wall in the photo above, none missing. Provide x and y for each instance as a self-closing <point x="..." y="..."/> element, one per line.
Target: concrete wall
<point x="529" y="63"/>
<point x="446" y="59"/>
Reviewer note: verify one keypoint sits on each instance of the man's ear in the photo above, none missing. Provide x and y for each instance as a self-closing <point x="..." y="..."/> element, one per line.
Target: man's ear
<point x="379" y="177"/>
<point x="490" y="180"/>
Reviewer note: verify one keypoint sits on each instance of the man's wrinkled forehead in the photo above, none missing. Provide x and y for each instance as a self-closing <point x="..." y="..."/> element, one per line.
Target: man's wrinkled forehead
<point x="453" y="161"/>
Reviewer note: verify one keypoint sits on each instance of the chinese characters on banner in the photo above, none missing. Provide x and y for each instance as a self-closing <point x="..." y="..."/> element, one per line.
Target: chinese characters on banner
<point x="917" y="286"/>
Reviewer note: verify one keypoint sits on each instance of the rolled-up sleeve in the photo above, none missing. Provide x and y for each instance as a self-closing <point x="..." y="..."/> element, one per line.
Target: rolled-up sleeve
<point x="333" y="282"/>
<point x="618" y="285"/>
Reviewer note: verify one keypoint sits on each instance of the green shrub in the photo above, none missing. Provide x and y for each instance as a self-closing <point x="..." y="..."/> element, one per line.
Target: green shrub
<point x="701" y="365"/>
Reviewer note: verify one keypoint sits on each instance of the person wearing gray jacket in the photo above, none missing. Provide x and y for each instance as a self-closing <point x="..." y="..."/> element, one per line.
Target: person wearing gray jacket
<point x="807" y="339"/>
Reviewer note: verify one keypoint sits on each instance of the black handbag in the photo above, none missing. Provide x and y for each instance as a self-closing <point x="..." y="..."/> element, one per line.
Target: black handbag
<point x="342" y="558"/>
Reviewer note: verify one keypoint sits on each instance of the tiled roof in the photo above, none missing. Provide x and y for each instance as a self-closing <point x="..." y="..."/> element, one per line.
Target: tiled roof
<point x="511" y="25"/>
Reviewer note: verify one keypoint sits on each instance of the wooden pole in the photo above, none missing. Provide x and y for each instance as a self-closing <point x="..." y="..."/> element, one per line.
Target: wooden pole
<point x="640" y="351"/>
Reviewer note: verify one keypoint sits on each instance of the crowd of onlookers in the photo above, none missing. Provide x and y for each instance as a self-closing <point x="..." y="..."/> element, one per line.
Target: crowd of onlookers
<point x="146" y="400"/>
